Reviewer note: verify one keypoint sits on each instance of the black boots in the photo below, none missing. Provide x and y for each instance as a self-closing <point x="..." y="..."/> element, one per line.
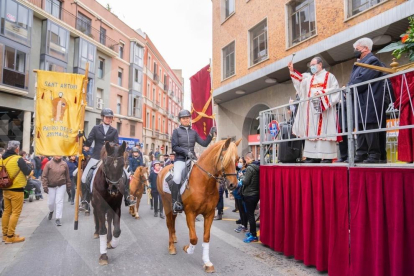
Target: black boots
<point x="176" y="198"/>
<point x="128" y="200"/>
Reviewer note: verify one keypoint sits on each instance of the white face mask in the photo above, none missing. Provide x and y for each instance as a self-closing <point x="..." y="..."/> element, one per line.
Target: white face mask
<point x="240" y="165"/>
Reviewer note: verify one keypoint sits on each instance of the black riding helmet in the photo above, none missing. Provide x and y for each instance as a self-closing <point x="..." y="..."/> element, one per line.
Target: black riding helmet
<point x="107" y="112"/>
<point x="184" y="113"/>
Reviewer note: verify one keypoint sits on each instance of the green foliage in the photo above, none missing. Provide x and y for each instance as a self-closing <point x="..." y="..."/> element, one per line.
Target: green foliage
<point x="405" y="45"/>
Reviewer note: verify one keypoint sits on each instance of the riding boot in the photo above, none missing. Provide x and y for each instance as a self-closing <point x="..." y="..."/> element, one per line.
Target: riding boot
<point x="128" y="201"/>
<point x="85" y="197"/>
<point x="176" y="199"/>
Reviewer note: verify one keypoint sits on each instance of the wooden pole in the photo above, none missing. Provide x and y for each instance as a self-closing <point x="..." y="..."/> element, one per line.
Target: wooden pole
<point x="80" y="155"/>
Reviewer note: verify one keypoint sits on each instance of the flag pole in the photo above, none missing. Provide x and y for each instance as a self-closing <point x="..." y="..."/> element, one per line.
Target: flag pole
<point x="80" y="155"/>
<point x="212" y="99"/>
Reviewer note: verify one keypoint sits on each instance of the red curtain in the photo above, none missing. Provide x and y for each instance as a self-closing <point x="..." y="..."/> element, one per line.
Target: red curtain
<point x="402" y="102"/>
<point x="304" y="214"/>
<point x="201" y="98"/>
<point x="382" y="221"/>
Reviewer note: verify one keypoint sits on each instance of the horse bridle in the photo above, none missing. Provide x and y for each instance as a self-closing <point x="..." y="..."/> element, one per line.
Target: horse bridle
<point x="224" y="175"/>
<point x="141" y="179"/>
<point x="115" y="183"/>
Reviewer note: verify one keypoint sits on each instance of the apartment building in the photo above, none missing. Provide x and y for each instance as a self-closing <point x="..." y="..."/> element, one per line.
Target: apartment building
<point x="63" y="36"/>
<point x="163" y="99"/>
<point x="254" y="40"/>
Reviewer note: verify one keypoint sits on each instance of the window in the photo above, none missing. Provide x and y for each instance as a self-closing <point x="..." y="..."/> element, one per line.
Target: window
<point x="137" y="76"/>
<point x="147" y="122"/>
<point x="54" y="67"/>
<point x="57" y="41"/>
<point x="132" y="130"/>
<point x="99" y="98"/>
<point x="228" y="8"/>
<point x="16" y="22"/>
<point x="83" y="23"/>
<point x="121" y="50"/>
<point x="89" y="91"/>
<point x="138" y="55"/>
<point x="101" y="65"/>
<point x="54" y="7"/>
<point x="102" y="36"/>
<point x="228" y="61"/>
<point x="118" y="127"/>
<point x="357" y="6"/>
<point x="14" y="71"/>
<point x="258" y="43"/>
<point x="98" y="121"/>
<point x="118" y="104"/>
<point x="302" y="24"/>
<point x="149" y="62"/>
<point x="153" y="94"/>
<point x="87" y="53"/>
<point x="120" y="73"/>
<point x="136" y="107"/>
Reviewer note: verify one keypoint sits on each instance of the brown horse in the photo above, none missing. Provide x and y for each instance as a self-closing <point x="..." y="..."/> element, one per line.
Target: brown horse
<point x="137" y="184"/>
<point x="217" y="163"/>
<point x="108" y="188"/>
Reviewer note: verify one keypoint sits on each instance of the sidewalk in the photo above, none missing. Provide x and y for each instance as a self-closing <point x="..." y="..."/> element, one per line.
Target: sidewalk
<point x="32" y="215"/>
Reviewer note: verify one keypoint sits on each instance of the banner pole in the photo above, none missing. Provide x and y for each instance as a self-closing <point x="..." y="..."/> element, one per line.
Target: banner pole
<point x="80" y="155"/>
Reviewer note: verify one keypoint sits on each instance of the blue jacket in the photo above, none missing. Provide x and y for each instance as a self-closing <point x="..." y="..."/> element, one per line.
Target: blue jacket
<point x="153" y="180"/>
<point x="72" y="166"/>
<point x="135" y="162"/>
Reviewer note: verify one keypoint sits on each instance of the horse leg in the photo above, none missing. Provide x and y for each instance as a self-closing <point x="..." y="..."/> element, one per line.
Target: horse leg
<point x="189" y="249"/>
<point x="208" y="221"/>
<point x="137" y="206"/>
<point x="95" y="216"/>
<point x="103" y="259"/>
<point x="171" y="246"/>
<point x="173" y="234"/>
<point x="117" y="227"/>
<point x="109" y="219"/>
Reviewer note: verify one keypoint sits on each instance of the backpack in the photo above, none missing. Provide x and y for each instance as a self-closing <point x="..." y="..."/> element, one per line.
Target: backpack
<point x="5" y="180"/>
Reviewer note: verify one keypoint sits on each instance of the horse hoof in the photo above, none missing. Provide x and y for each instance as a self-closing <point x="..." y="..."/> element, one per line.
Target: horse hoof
<point x="185" y="248"/>
<point x="173" y="251"/>
<point x="103" y="260"/>
<point x="137" y="217"/>
<point x="96" y="236"/>
<point x="109" y="246"/>
<point x="209" y="269"/>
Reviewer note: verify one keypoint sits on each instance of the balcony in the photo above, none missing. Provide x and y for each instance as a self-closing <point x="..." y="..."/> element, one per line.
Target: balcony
<point x="166" y="87"/>
<point x="157" y="134"/>
<point x="158" y="104"/>
<point x="76" y="23"/>
<point x="156" y="78"/>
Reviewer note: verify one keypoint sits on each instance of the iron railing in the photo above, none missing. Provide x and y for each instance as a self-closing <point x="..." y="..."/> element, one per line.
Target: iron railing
<point x="343" y="113"/>
<point x="76" y="22"/>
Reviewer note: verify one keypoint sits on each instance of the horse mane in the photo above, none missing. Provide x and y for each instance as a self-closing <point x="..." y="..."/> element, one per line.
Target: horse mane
<point x="214" y="152"/>
<point x="103" y="152"/>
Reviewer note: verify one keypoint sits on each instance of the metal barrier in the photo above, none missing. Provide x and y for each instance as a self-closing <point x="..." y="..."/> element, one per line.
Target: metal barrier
<point x="368" y="107"/>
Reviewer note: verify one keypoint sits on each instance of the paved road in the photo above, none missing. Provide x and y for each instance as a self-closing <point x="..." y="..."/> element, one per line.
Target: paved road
<point x="143" y="249"/>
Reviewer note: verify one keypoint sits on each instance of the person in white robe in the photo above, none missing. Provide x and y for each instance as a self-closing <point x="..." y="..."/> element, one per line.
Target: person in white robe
<point x="317" y="117"/>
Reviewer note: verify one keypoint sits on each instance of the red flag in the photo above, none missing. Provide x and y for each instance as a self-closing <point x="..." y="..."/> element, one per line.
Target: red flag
<point x="201" y="97"/>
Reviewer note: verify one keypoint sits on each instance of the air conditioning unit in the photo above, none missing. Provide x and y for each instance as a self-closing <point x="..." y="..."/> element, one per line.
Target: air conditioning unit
<point x="100" y="104"/>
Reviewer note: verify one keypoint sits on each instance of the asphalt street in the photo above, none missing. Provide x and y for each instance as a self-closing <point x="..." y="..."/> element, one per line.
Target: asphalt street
<point x="143" y="249"/>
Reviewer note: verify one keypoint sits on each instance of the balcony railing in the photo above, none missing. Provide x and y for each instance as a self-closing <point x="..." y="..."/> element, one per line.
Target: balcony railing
<point x="166" y="87"/>
<point x="76" y="22"/>
<point x="157" y="104"/>
<point x="156" y="78"/>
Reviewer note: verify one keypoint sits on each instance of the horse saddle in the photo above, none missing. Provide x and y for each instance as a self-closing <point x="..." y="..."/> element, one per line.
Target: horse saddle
<point x="185" y="175"/>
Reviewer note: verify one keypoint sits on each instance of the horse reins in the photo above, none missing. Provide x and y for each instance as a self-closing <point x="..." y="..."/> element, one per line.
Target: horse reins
<point x="103" y="169"/>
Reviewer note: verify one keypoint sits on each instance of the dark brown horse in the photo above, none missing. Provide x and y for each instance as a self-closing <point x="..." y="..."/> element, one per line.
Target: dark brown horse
<point x="108" y="188"/>
<point x="137" y="184"/>
<point x="217" y="163"/>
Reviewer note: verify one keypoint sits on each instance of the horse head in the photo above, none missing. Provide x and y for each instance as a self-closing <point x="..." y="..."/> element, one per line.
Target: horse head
<point x="226" y="163"/>
<point x="113" y="164"/>
<point x="138" y="180"/>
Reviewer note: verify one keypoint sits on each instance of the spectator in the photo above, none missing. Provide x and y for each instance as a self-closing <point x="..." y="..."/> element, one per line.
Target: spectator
<point x="44" y="162"/>
<point x="17" y="169"/>
<point x="157" y="154"/>
<point x="241" y="170"/>
<point x="55" y="179"/>
<point x="72" y="165"/>
<point x="250" y="192"/>
<point x="220" y="204"/>
<point x="316" y="116"/>
<point x="135" y="160"/>
<point x="154" y="192"/>
<point x="38" y="166"/>
<point x="1" y="152"/>
<point x="166" y="159"/>
<point x="371" y="146"/>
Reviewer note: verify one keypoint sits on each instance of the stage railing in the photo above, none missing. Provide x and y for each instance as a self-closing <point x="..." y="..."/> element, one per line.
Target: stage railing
<point x="384" y="105"/>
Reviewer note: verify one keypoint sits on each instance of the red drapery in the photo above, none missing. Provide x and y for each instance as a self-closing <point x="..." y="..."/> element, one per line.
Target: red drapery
<point x="304" y="213"/>
<point x="402" y="102"/>
<point x="201" y="98"/>
<point x="382" y="221"/>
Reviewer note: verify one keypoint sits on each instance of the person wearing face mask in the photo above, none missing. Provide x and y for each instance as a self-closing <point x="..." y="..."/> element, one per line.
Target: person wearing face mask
<point x="371" y="147"/>
<point x="183" y="141"/>
<point x="317" y="116"/>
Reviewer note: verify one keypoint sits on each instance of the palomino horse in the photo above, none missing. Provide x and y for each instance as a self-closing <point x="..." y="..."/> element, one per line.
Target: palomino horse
<point x="136" y="185"/>
<point x="108" y="188"/>
<point x="217" y="163"/>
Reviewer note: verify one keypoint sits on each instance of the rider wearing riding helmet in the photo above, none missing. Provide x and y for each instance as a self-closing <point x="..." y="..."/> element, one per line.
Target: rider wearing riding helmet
<point x="100" y="134"/>
<point x="183" y="142"/>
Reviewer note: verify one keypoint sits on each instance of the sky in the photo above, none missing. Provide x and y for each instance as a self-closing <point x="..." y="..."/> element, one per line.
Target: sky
<point x="180" y="29"/>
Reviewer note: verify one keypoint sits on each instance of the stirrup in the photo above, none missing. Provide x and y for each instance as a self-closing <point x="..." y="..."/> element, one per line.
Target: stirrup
<point x="177" y="207"/>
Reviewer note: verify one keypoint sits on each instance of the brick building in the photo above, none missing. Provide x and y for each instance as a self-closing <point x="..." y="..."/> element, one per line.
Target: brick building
<point x="254" y="40"/>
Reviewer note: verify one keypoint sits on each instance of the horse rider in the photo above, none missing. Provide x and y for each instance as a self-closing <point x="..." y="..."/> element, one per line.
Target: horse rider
<point x="183" y="141"/>
<point x="99" y="135"/>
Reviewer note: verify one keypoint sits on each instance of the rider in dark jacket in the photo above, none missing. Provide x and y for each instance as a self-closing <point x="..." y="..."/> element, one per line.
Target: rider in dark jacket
<point x="183" y="142"/>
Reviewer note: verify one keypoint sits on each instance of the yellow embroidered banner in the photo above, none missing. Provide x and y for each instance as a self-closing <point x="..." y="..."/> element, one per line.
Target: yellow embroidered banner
<point x="58" y="113"/>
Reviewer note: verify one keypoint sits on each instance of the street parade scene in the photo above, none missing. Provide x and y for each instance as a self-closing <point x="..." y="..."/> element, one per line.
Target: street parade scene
<point x="282" y="145"/>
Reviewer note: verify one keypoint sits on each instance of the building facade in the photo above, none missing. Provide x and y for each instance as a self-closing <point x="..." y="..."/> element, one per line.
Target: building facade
<point x="253" y="41"/>
<point x="64" y="36"/>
